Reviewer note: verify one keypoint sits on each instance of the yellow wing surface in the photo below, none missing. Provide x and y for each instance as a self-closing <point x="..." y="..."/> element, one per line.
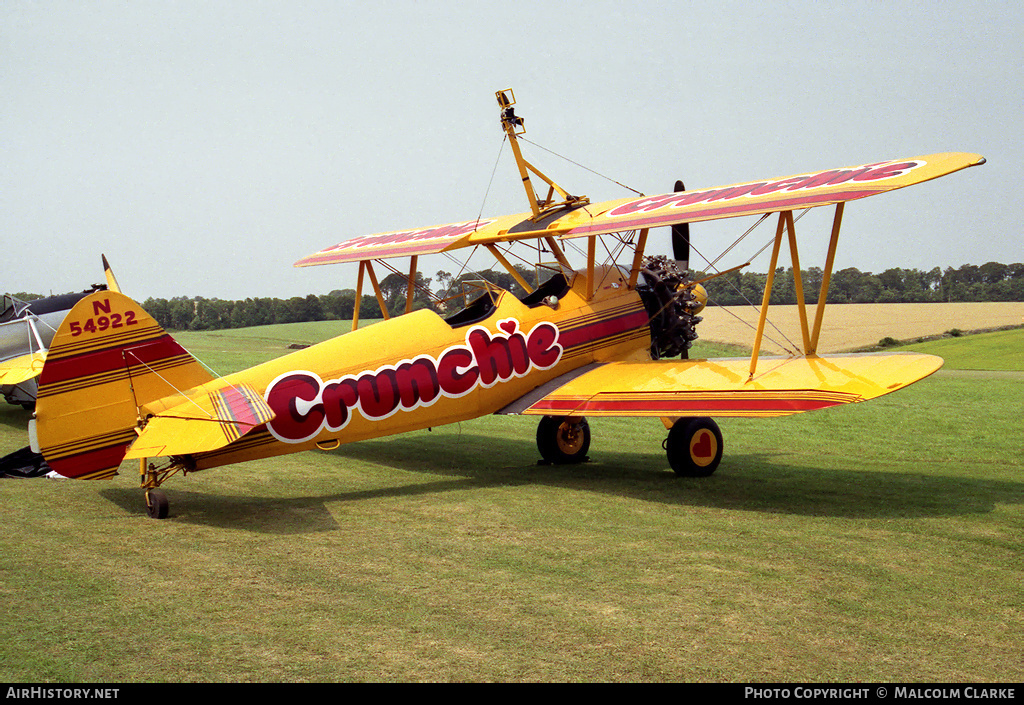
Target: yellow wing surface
<point x="22" y="368"/>
<point x="403" y="243"/>
<point x="769" y="196"/>
<point x="723" y="387"/>
<point x="752" y="198"/>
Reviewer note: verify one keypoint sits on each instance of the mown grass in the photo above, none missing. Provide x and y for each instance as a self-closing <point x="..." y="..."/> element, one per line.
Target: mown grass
<point x="234" y="349"/>
<point x="999" y="350"/>
<point x="874" y="542"/>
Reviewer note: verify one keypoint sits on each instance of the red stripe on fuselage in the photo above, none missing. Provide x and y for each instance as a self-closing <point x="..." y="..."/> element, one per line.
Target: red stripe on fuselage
<point x="602" y="329"/>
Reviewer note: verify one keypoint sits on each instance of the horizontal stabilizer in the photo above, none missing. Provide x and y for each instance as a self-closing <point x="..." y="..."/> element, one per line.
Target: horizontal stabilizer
<point x="721" y="387"/>
<point x="22" y="368"/>
<point x="204" y="419"/>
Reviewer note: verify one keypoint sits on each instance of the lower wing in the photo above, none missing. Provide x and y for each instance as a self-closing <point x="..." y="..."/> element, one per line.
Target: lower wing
<point x="724" y="387"/>
<point x="22" y="368"/>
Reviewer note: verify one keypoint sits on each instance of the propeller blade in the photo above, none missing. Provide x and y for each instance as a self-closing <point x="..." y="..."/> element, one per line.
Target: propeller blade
<point x="681" y="239"/>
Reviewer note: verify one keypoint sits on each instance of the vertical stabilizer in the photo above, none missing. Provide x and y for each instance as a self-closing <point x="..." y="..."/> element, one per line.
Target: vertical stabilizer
<point x="108" y="358"/>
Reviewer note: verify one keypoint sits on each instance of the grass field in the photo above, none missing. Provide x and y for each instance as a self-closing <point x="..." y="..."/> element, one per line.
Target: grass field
<point x="877" y="542"/>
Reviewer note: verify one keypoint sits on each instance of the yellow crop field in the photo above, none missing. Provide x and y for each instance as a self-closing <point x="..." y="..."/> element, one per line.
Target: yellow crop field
<point x="852" y="326"/>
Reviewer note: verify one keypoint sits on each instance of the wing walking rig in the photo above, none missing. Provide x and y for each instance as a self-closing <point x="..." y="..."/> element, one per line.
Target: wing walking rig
<point x="601" y="340"/>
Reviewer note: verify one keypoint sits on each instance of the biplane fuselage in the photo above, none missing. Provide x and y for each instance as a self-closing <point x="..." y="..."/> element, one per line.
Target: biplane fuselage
<point x="420" y="370"/>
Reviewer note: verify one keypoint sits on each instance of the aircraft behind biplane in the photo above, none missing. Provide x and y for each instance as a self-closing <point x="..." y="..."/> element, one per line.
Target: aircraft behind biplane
<point x="26" y="329"/>
<point x="600" y="340"/>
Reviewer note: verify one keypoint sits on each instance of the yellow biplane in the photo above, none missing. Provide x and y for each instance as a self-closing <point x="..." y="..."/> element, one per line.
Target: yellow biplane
<point x="605" y="339"/>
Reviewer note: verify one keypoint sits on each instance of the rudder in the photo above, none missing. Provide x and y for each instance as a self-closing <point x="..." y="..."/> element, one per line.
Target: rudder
<point x="108" y="358"/>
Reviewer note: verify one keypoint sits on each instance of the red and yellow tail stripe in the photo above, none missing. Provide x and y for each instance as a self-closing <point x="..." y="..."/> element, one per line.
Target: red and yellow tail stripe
<point x="151" y="351"/>
<point x="240" y="409"/>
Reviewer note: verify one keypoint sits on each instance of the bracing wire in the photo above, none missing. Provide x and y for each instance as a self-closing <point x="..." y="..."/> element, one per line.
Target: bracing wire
<point x="171" y="385"/>
<point x="751" y="303"/>
<point x="612" y="256"/>
<point x="769" y="243"/>
<point x="581" y="166"/>
<point x="494" y="171"/>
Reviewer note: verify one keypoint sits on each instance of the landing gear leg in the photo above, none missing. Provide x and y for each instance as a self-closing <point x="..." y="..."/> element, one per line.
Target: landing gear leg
<point x="563" y="440"/>
<point x="694" y="447"/>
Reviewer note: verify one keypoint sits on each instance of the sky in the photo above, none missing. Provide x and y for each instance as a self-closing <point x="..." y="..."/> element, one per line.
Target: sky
<point x="204" y="147"/>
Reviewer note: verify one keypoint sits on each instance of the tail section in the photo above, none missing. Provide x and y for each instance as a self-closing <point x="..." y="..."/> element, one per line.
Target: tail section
<point x="108" y="358"/>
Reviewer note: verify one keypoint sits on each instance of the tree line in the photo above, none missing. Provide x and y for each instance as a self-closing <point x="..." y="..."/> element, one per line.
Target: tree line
<point x="198" y="313"/>
<point x="992" y="281"/>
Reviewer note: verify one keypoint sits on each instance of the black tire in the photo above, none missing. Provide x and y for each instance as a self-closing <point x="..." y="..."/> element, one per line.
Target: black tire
<point x="157" y="505"/>
<point x="562" y="442"/>
<point x="694" y="447"/>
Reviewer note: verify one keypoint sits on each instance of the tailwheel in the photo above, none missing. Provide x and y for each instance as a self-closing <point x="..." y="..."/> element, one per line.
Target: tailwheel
<point x="157" y="505"/>
<point x="563" y="440"/>
<point x="694" y="447"/>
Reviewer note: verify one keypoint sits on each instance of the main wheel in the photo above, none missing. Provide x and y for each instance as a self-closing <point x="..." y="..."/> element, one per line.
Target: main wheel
<point x="157" y="505"/>
<point x="694" y="447"/>
<point x="563" y="440"/>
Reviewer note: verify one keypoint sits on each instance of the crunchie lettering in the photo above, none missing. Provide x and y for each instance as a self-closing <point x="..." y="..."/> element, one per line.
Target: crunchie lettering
<point x="305" y="405"/>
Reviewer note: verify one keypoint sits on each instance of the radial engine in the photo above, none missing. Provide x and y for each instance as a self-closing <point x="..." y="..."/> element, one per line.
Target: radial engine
<point x="672" y="301"/>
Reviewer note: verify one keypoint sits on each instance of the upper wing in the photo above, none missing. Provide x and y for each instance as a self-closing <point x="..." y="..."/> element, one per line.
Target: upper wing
<point x="782" y="194"/>
<point x="22" y="368"/>
<point x="424" y="241"/>
<point x="752" y="198"/>
<point x="721" y="387"/>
